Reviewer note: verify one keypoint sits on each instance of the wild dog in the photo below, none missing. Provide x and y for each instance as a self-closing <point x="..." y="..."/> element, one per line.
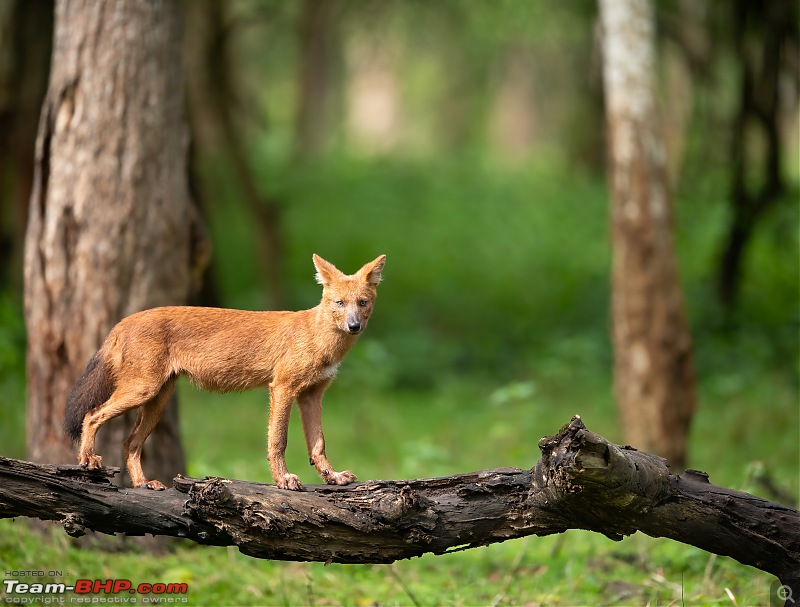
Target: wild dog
<point x="295" y="354"/>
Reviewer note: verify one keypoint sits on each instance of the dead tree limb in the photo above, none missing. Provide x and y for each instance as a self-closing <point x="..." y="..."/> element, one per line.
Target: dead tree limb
<point x="581" y="482"/>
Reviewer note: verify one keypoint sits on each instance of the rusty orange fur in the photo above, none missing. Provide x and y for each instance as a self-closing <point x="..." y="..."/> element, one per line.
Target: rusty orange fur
<point x="294" y="354"/>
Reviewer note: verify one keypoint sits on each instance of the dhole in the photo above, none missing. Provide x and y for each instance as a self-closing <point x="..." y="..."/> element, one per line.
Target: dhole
<point x="295" y="354"/>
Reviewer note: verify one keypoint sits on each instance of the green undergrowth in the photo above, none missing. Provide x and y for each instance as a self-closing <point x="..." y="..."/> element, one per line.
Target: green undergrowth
<point x="466" y="424"/>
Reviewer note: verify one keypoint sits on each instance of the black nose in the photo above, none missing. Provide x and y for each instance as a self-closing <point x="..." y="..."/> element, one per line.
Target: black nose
<point x="354" y="327"/>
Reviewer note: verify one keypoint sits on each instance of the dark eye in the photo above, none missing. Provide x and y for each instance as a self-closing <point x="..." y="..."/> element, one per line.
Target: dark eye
<point x="340" y="303"/>
<point x="362" y="302"/>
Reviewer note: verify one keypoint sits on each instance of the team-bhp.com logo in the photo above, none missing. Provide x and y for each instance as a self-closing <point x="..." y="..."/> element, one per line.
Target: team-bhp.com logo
<point x="90" y="589"/>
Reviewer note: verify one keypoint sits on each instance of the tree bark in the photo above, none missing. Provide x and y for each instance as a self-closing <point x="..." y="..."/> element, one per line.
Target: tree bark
<point x="653" y="372"/>
<point x="111" y="228"/>
<point x="581" y="482"/>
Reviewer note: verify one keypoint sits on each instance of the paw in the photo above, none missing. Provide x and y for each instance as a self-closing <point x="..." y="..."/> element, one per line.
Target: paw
<point x="154" y="485"/>
<point x="340" y="478"/>
<point x="289" y="481"/>
<point x="91" y="461"/>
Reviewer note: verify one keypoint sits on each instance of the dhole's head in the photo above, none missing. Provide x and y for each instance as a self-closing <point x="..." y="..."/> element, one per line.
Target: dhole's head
<point x="349" y="299"/>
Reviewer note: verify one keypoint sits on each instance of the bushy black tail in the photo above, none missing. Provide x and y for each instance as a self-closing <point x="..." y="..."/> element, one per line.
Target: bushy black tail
<point x="92" y="389"/>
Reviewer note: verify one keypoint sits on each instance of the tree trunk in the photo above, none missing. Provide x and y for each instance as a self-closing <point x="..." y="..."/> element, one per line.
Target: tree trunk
<point x="765" y="36"/>
<point x="654" y="378"/>
<point x="581" y="482"/>
<point x="212" y="102"/>
<point x="111" y="228"/>
<point x="26" y="35"/>
<point x="317" y="40"/>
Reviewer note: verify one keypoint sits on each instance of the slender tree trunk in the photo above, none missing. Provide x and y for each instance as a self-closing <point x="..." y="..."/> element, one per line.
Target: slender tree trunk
<point x="653" y="373"/>
<point x="111" y="227"/>
<point x="316" y="33"/>
<point x="26" y="34"/>
<point x="212" y="102"/>
<point x="765" y="36"/>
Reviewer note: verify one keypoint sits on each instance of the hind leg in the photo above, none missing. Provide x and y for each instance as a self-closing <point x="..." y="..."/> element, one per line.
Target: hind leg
<point x="146" y="421"/>
<point x="123" y="399"/>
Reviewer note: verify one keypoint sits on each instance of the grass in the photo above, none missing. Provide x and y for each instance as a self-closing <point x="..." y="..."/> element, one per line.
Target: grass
<point x="464" y="425"/>
<point x="490" y="333"/>
<point x="573" y="569"/>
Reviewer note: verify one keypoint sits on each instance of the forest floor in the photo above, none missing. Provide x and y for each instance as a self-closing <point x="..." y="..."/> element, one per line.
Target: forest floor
<point x="461" y="426"/>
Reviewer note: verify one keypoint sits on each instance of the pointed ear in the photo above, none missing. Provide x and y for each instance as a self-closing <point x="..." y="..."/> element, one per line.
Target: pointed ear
<point x="326" y="271"/>
<point x="371" y="272"/>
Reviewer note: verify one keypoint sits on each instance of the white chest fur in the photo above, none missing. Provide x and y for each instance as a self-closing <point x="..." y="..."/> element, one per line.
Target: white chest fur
<point x="329" y="372"/>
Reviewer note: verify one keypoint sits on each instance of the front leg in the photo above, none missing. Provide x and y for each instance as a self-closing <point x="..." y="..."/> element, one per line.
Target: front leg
<point x="310" y="403"/>
<point x="280" y="408"/>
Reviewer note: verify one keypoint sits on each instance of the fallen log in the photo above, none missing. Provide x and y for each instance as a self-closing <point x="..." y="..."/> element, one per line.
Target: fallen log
<point x="582" y="481"/>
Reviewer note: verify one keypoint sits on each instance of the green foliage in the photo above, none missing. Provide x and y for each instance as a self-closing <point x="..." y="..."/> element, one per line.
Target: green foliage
<point x="471" y="281"/>
<point x="12" y="377"/>
<point x="12" y="337"/>
<point x="490" y="270"/>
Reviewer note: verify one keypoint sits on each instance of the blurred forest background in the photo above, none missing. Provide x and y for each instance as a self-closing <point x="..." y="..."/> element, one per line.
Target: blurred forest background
<point x="466" y="140"/>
